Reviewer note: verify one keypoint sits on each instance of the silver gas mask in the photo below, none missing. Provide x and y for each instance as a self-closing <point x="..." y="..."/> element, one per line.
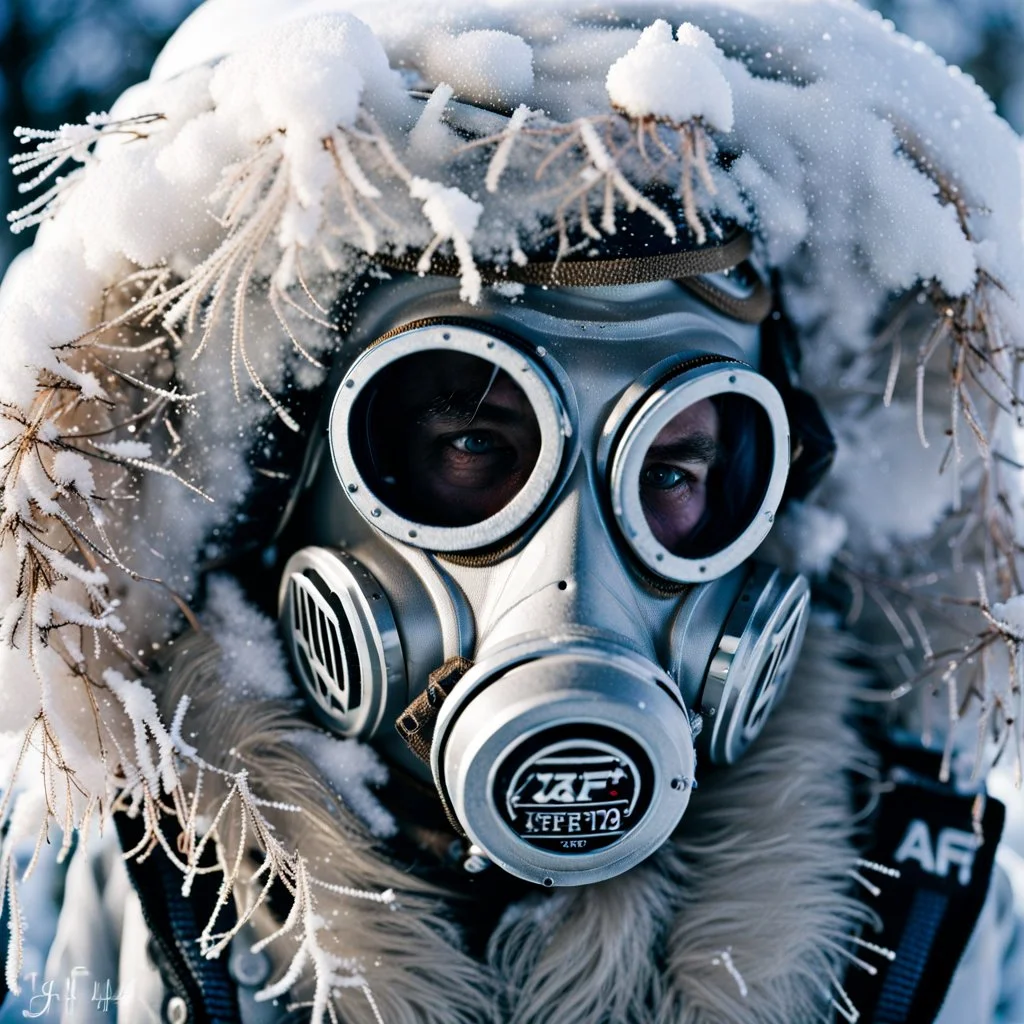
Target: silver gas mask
<point x="534" y="532"/>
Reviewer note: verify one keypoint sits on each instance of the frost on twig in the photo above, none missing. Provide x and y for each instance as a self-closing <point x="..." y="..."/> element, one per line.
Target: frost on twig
<point x="275" y="232"/>
<point x="54" y="149"/>
<point x="976" y="673"/>
<point x="330" y="971"/>
<point x="667" y="93"/>
<point x="594" y="165"/>
<point x="76" y="449"/>
<point x="191" y="809"/>
<point x="454" y="217"/>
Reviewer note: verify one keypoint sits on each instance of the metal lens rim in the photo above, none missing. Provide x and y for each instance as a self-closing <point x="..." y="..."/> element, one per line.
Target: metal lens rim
<point x="541" y="393"/>
<point x="654" y="413"/>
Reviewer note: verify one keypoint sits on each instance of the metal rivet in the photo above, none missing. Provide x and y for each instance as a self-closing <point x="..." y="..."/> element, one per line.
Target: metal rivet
<point x="350" y="383"/>
<point x="412" y="533"/>
<point x="177" y="1010"/>
<point x="732" y="379"/>
<point x="549" y="882"/>
<point x="352" y="488"/>
<point x="375" y="512"/>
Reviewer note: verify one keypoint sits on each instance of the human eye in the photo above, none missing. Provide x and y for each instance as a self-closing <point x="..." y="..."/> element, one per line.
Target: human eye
<point x="662" y="477"/>
<point x="476" y="442"/>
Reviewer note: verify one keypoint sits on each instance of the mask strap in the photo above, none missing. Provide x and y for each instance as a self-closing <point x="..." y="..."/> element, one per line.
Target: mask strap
<point x="590" y="272"/>
<point x="750" y="310"/>
<point x="416" y="723"/>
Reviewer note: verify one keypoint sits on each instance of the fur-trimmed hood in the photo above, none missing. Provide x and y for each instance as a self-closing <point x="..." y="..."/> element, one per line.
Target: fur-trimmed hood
<point x="166" y="341"/>
<point x="745" y="915"/>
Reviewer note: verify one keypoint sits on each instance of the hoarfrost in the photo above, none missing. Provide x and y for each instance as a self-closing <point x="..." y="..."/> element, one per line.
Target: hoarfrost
<point x="221" y="208"/>
<point x="125" y="449"/>
<point x="1012" y="613"/>
<point x="74" y="471"/>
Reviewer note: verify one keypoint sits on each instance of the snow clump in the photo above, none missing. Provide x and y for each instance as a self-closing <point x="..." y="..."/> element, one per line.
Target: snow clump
<point x="676" y="80"/>
<point x="486" y="67"/>
<point x="307" y="78"/>
<point x="354" y="770"/>
<point x="252" y="663"/>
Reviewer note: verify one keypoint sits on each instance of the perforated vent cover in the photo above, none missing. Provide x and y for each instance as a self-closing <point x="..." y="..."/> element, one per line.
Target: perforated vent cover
<point x="751" y="667"/>
<point x="341" y="637"/>
<point x="324" y="642"/>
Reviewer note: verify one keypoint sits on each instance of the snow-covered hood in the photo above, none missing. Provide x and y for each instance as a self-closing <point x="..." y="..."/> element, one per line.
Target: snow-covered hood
<point x="178" y="309"/>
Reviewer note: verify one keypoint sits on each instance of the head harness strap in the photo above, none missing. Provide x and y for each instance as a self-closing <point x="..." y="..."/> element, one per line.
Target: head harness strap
<point x="688" y="266"/>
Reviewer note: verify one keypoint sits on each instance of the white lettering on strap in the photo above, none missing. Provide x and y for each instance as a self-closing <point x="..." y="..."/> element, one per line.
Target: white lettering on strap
<point x="954" y="847"/>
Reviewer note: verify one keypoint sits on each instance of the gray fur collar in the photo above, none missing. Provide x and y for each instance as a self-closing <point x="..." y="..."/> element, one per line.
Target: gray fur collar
<point x="743" y="917"/>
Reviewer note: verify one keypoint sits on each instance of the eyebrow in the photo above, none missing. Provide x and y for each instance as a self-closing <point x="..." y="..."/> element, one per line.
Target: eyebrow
<point x="695" y="448"/>
<point x="463" y="408"/>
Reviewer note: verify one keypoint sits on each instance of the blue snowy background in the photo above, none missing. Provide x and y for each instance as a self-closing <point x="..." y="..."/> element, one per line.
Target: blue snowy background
<point x="63" y="59"/>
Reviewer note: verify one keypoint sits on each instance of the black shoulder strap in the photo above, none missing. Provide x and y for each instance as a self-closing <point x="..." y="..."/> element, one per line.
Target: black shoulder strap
<point x="943" y="844"/>
<point x="176" y="922"/>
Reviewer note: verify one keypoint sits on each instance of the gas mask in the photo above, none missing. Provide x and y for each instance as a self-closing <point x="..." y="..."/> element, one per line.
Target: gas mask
<point x="530" y="544"/>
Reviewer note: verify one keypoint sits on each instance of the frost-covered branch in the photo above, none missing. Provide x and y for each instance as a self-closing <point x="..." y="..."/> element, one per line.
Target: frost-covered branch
<point x="668" y="94"/>
<point x="597" y="164"/>
<point x="54" y="149"/>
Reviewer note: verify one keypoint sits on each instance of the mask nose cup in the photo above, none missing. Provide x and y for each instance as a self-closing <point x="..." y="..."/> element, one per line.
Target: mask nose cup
<point x="567" y="767"/>
<point x="568" y="576"/>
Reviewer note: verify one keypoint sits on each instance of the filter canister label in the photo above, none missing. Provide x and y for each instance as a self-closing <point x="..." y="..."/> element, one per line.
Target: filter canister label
<point x="574" y="794"/>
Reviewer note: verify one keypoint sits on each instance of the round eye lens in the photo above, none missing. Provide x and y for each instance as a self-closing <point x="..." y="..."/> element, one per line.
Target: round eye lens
<point x="447" y="438"/>
<point x="444" y="438"/>
<point x="705" y="474"/>
<point x="699" y="470"/>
